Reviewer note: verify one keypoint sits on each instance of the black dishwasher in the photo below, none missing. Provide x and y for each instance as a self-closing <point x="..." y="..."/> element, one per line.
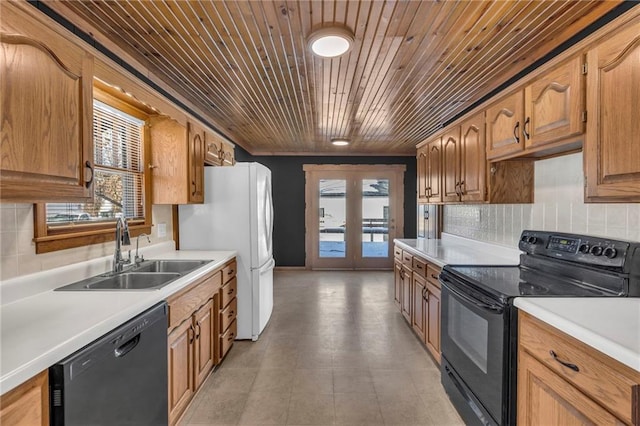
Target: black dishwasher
<point x="119" y="379"/>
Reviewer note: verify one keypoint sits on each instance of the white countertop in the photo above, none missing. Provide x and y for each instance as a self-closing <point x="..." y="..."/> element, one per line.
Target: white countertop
<point x="41" y="327"/>
<point x="454" y="250"/>
<point x="611" y="325"/>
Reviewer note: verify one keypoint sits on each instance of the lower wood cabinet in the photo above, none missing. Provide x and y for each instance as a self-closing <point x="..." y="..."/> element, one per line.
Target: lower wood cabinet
<point x="28" y="404"/>
<point x="193" y="340"/>
<point x="228" y="308"/>
<point x="563" y="381"/>
<point x="417" y="295"/>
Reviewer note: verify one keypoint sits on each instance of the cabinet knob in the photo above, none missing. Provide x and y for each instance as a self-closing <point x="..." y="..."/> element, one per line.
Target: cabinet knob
<point x="151" y="166"/>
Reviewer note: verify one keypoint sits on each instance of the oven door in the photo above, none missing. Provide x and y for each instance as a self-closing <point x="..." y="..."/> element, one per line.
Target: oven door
<point x="473" y="343"/>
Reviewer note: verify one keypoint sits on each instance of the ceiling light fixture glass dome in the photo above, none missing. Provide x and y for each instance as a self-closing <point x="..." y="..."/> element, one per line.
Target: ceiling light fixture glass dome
<point x="340" y="141"/>
<point x="330" y="42"/>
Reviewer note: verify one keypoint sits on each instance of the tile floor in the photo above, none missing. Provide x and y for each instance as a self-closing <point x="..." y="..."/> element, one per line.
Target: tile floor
<point x="336" y="352"/>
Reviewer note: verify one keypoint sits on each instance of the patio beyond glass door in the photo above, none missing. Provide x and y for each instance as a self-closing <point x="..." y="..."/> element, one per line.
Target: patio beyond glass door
<point x="352" y="216"/>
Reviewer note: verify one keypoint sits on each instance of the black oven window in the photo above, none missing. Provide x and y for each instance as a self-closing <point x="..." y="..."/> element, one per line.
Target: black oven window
<point x="470" y="332"/>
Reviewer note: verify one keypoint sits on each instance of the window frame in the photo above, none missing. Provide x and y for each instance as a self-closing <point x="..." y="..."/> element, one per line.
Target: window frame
<point x="61" y="237"/>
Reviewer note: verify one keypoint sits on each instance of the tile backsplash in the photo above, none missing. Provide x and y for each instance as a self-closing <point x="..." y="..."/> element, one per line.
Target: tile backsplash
<point x="559" y="206"/>
<point x="18" y="251"/>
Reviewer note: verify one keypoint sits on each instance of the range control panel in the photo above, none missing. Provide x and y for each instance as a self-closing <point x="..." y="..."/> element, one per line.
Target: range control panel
<point x="577" y="248"/>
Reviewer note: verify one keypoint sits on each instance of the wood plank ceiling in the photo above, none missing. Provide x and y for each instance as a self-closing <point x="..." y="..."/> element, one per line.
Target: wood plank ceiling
<point x="414" y="65"/>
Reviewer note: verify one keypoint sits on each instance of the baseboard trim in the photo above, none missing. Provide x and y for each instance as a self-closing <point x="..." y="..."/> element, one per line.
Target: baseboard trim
<point x="290" y="268"/>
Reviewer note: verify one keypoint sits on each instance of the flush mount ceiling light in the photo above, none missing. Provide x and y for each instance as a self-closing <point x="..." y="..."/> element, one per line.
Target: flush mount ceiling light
<point x="330" y="42"/>
<point x="340" y="141"/>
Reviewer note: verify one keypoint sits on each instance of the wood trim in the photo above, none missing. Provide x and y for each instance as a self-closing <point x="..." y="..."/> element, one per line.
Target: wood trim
<point x="20" y="39"/>
<point x="354" y="167"/>
<point x="68" y="241"/>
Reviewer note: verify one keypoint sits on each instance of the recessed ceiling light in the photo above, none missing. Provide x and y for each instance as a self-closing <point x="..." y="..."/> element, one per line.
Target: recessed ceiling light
<point x="330" y="42"/>
<point x="340" y="142"/>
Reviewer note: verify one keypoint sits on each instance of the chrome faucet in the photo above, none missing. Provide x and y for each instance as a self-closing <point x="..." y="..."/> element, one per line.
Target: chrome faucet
<point x="122" y="237"/>
<point x="139" y="259"/>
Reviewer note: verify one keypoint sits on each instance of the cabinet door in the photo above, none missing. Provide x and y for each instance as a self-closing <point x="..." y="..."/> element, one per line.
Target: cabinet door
<point x="228" y="155"/>
<point x="406" y="294"/>
<point x="421" y="163"/>
<point x="473" y="159"/>
<point x="213" y="149"/>
<point x="204" y="321"/>
<point x="169" y="157"/>
<point x="451" y="165"/>
<point x="554" y="105"/>
<point x="504" y="126"/>
<point x="47" y="115"/>
<point x="418" y="287"/>
<point x="196" y="164"/>
<point x="434" y="167"/>
<point x="180" y="360"/>
<point x="432" y="327"/>
<point x="612" y="144"/>
<point x="545" y="399"/>
<point x="397" y="298"/>
<point x="28" y="404"/>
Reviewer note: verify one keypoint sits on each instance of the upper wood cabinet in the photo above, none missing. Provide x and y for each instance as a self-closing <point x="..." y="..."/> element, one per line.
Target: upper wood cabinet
<point x="554" y="106"/>
<point x="47" y="144"/>
<point x="612" y="143"/>
<point x="464" y="161"/>
<point x="177" y="161"/>
<point x="504" y="121"/>
<point x="451" y="165"/>
<point x="429" y="163"/>
<point x="218" y="152"/>
<point x="546" y="117"/>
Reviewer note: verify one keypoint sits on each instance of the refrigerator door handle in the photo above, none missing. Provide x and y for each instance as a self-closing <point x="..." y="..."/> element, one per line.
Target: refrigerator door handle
<point x="269" y="264"/>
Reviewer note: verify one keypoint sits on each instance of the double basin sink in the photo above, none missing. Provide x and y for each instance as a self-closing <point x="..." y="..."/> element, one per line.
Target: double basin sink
<point x="148" y="275"/>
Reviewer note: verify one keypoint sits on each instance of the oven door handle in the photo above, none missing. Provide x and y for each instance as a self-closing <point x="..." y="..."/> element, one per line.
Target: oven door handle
<point x="486" y="306"/>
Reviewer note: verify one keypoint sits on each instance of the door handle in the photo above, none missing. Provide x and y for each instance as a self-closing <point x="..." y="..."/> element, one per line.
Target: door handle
<point x="127" y="347"/>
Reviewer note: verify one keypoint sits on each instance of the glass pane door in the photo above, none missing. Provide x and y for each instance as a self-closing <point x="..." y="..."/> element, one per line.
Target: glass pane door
<point x="375" y="218"/>
<point x="332" y="216"/>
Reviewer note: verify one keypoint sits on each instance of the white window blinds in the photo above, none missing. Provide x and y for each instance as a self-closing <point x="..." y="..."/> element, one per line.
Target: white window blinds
<point x="119" y="172"/>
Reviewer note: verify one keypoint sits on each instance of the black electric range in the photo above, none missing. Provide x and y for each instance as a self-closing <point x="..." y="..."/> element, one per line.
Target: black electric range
<point x="479" y="321"/>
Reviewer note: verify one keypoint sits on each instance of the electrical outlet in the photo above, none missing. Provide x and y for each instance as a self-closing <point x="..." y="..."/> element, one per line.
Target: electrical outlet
<point x="162" y="230"/>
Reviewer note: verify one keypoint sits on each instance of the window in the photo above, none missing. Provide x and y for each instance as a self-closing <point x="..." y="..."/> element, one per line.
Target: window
<point x="119" y="182"/>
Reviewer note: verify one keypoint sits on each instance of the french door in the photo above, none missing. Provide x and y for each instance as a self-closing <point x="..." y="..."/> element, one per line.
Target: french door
<point x="353" y="213"/>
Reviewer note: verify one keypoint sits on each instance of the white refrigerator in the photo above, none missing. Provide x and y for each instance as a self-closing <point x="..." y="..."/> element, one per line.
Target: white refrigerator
<point x="237" y="214"/>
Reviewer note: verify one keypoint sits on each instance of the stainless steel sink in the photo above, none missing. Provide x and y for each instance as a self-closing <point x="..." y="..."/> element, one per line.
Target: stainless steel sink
<point x="149" y="275"/>
<point x="178" y="266"/>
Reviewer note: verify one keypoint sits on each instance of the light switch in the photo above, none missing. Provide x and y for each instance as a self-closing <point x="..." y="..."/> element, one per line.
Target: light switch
<point x="162" y="230"/>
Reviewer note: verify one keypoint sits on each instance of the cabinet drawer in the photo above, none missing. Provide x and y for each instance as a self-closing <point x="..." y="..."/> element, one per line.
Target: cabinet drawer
<point x="599" y="377"/>
<point x="229" y="271"/>
<point x="407" y="259"/>
<point x="228" y="314"/>
<point x="229" y="291"/>
<point x="184" y="304"/>
<point x="397" y="252"/>
<point x="433" y="273"/>
<point x="226" y="340"/>
<point x="419" y="267"/>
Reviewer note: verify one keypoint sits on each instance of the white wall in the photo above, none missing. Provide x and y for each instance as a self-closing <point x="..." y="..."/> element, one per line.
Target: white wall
<point x="18" y="251"/>
<point x="559" y="206"/>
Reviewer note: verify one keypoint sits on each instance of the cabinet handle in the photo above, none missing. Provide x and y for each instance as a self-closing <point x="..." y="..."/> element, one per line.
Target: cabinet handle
<point x="434" y="276"/>
<point x="198" y="333"/>
<point x="565" y="363"/>
<point x="192" y="333"/>
<point x="516" y="130"/>
<point x="461" y="185"/>
<point x="524" y="128"/>
<point x="458" y="193"/>
<point x="429" y="193"/>
<point x="424" y="291"/>
<point x="151" y="167"/>
<point x="230" y="291"/>
<point x="231" y="314"/>
<point x="231" y="271"/>
<point x="88" y="165"/>
<point x="230" y="338"/>
<point x="193" y="184"/>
